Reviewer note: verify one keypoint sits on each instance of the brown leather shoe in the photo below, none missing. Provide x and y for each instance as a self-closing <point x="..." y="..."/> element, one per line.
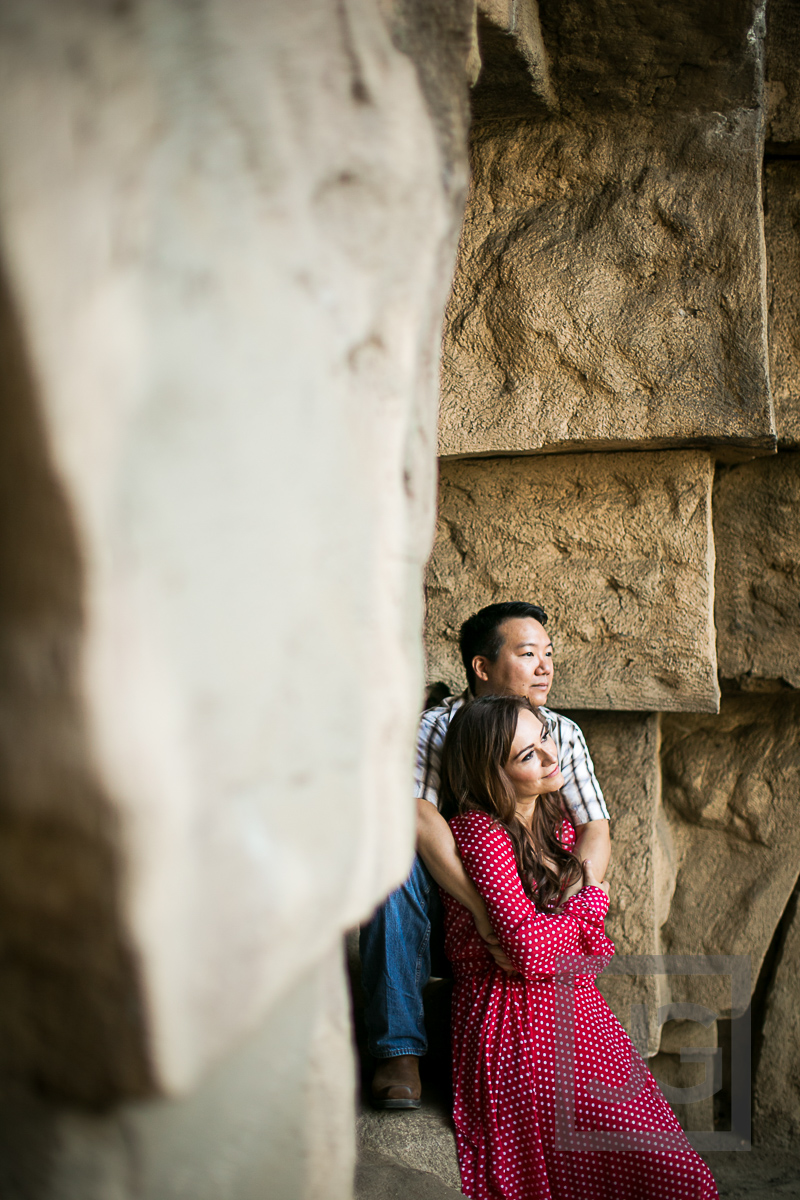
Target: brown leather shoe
<point x="396" y="1082"/>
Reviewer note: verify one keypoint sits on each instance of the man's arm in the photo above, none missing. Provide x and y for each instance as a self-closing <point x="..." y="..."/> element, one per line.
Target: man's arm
<point x="585" y="801"/>
<point x="437" y="848"/>
<point x="593" y="842"/>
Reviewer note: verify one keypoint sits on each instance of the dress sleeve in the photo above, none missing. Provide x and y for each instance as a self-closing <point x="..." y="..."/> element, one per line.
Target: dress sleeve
<point x="534" y="941"/>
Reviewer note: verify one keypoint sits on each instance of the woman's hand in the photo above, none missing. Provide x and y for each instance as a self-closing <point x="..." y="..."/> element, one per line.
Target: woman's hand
<point x="589" y="878"/>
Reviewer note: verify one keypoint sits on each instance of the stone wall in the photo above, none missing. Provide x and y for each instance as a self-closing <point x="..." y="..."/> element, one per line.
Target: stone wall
<point x="626" y="288"/>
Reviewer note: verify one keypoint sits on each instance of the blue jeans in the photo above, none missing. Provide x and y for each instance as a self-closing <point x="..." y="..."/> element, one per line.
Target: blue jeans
<point x="396" y="964"/>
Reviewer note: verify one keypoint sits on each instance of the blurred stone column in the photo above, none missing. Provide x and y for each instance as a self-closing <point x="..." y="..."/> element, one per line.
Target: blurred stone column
<point x="228" y="231"/>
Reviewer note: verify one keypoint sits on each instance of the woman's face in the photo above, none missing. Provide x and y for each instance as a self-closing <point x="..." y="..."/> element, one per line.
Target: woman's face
<point x="532" y="764"/>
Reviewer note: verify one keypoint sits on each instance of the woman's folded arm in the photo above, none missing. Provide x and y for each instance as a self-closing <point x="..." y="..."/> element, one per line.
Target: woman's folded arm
<point x="533" y="940"/>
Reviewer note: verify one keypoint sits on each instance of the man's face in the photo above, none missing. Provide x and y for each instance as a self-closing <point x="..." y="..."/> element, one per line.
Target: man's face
<point x="524" y="666"/>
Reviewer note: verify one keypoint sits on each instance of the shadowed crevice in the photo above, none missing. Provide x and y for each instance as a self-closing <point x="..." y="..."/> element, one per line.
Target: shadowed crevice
<point x="71" y="1014"/>
<point x="767" y="974"/>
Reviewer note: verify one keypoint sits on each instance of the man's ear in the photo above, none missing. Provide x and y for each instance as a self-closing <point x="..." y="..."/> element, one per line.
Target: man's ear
<point x="479" y="665"/>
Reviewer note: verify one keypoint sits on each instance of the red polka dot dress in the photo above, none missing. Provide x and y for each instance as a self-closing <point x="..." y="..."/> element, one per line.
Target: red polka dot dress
<point x="551" y="1100"/>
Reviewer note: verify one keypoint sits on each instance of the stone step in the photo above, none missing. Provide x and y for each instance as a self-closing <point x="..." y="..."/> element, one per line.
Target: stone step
<point x="411" y="1156"/>
<point x="382" y="1178"/>
<point x="421" y="1139"/>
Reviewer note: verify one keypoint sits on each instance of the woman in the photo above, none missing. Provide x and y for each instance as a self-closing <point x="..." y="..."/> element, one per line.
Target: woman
<point x="551" y="1100"/>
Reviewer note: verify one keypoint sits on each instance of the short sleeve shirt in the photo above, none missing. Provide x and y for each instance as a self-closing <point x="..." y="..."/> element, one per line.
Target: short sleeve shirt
<point x="581" y="791"/>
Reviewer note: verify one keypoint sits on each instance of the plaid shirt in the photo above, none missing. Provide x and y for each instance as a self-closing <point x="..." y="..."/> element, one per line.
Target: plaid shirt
<point x="581" y="790"/>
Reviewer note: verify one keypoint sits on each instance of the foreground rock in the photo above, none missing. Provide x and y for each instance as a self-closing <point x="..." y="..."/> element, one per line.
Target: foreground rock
<point x="228" y="232"/>
<point x="616" y="547"/>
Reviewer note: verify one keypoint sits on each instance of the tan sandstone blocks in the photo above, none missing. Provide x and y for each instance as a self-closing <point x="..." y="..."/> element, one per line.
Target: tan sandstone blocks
<point x="617" y="547"/>
<point x="610" y="287"/>
<point x="625" y="751"/>
<point x="730" y="788"/>
<point x="782" y="229"/>
<point x="624" y="748"/>
<point x="756" y="508"/>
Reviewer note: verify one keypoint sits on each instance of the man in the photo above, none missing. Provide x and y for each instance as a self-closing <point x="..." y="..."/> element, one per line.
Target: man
<point x="505" y="650"/>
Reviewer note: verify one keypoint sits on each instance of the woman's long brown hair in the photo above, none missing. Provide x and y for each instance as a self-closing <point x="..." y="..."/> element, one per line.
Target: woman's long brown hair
<point x="476" y="750"/>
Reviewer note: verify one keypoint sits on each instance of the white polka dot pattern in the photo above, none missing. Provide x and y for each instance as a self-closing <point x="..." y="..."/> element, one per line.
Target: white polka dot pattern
<point x="510" y="1050"/>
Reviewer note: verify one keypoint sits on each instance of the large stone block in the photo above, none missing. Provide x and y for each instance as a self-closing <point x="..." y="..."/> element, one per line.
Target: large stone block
<point x="609" y="289"/>
<point x="228" y="234"/>
<point x="730" y="788"/>
<point x="610" y="284"/>
<point x="782" y="229"/>
<point x="624" y="749"/>
<point x="782" y="75"/>
<point x="661" y="54"/>
<point x="777" y="1079"/>
<point x="617" y="548"/>
<point x="757" y="604"/>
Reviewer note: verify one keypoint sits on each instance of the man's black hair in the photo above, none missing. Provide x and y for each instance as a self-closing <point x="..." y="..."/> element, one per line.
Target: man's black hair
<point x="481" y="633"/>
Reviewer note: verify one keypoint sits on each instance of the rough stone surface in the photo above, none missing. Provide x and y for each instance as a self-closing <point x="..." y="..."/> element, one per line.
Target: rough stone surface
<point x="228" y="234"/>
<point x="616" y="547"/>
<point x="668" y="1069"/>
<point x="782" y="229"/>
<point x="730" y="787"/>
<point x="624" y="749"/>
<point x="782" y="76"/>
<point x="777" y="1079"/>
<point x="759" y="1175"/>
<point x="757" y="606"/>
<point x="515" y="70"/>
<point x="379" y="1177"/>
<point x="423" y="1139"/>
<point x="610" y="288"/>
<point x="660" y="54"/>
<point x="270" y="1121"/>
